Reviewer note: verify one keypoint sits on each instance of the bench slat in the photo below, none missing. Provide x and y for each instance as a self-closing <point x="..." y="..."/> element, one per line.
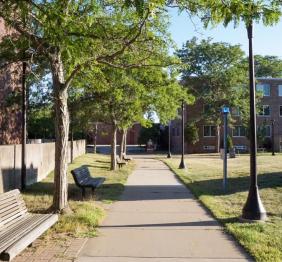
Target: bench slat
<point x="9" y="193"/>
<point x="23" y="242"/>
<point x="18" y="228"/>
<point x="23" y="226"/>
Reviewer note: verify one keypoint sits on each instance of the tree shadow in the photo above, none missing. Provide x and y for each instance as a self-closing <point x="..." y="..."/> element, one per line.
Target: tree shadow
<point x="96" y="166"/>
<point x="235" y="184"/>
<point x="10" y="178"/>
<point x="103" y="161"/>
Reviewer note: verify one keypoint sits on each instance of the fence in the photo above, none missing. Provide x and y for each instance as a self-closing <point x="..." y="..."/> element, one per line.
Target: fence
<point x="40" y="161"/>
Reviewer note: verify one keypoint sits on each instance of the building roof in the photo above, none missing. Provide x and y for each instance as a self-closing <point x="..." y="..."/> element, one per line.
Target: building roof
<point x="269" y="78"/>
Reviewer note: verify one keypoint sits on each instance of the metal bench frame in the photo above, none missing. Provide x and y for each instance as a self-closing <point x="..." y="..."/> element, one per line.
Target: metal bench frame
<point x="126" y="158"/>
<point x="18" y="228"/>
<point x="83" y="179"/>
<point x="120" y="162"/>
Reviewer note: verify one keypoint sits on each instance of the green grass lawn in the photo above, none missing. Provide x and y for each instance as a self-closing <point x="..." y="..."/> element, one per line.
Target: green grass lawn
<point x="204" y="177"/>
<point x="88" y="213"/>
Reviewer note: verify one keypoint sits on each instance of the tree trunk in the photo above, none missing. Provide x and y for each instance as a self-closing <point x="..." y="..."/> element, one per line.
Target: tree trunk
<point x="218" y="138"/>
<point x="95" y="137"/>
<point x="114" y="146"/>
<point x="60" y="201"/>
<point x="125" y="141"/>
<point x="122" y="144"/>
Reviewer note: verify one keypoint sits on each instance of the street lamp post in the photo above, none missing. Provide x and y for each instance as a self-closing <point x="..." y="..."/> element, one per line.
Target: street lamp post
<point x="169" y="153"/>
<point x="23" y="137"/>
<point x="253" y="209"/>
<point x="182" y="164"/>
<point x="225" y="111"/>
<point x="272" y="136"/>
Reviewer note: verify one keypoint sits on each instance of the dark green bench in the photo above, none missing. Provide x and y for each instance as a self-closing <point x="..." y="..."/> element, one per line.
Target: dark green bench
<point x="18" y="228"/>
<point x="83" y="179"/>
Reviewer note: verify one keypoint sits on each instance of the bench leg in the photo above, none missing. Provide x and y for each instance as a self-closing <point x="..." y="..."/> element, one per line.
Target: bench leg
<point x="83" y="193"/>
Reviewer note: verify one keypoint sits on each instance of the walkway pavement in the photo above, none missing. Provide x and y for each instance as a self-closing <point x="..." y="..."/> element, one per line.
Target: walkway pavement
<point x="158" y="219"/>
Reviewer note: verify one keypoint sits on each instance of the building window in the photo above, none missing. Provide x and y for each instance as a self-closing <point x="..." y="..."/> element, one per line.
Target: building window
<point x="280" y="110"/>
<point x="235" y="111"/>
<point x="209" y="148"/>
<point x="264" y="110"/>
<point x="264" y="88"/>
<point x="209" y="131"/>
<point x="265" y="130"/>
<point x="238" y="131"/>
<point x="280" y="90"/>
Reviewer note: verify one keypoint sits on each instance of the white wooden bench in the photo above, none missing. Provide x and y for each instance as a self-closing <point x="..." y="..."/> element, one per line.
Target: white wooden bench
<point x="18" y="228"/>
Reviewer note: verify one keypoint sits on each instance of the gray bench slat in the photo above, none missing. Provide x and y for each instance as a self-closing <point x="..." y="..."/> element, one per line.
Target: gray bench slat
<point x="14" y="221"/>
<point x="9" y="193"/>
<point x="13" y="233"/>
<point x="10" y="212"/>
<point x="28" y="238"/>
<point x="17" y="226"/>
<point x="7" y="207"/>
<point x="9" y="201"/>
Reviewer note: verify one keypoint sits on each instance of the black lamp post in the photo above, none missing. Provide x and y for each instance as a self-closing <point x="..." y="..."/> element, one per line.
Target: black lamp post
<point x="182" y="164"/>
<point x="23" y="138"/>
<point x="253" y="209"/>
<point x="272" y="136"/>
<point x="169" y="153"/>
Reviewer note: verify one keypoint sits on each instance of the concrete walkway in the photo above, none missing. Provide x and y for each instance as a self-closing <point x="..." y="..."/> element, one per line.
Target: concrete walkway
<point x="158" y="219"/>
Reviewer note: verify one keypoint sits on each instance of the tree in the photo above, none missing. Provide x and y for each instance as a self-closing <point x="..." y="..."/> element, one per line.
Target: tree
<point x="268" y="66"/>
<point x="215" y="74"/>
<point x="191" y="133"/>
<point x="70" y="36"/>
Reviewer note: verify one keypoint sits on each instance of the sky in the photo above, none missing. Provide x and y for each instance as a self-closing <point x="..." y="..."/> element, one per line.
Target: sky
<point x="267" y="40"/>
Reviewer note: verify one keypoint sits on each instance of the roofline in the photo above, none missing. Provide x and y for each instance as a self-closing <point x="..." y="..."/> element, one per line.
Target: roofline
<point x="269" y="79"/>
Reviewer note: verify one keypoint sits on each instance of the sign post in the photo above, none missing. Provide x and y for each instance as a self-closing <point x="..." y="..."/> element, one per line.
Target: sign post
<point x="225" y="111"/>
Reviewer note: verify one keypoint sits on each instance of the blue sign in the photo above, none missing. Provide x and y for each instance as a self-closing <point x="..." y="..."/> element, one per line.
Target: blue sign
<point x="225" y="110"/>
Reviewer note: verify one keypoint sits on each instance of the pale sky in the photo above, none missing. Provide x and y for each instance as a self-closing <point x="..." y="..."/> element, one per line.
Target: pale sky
<point x="267" y="40"/>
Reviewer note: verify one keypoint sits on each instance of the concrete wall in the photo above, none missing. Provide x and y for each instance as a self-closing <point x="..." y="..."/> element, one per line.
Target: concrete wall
<point x="40" y="161"/>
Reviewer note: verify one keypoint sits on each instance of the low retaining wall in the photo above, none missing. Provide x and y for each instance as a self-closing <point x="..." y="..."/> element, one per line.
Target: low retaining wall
<point x="40" y="161"/>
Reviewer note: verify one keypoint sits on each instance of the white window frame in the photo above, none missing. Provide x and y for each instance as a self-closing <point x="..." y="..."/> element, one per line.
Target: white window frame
<point x="263" y="107"/>
<point x="260" y="87"/>
<point x="239" y="131"/>
<point x="209" y="148"/>
<point x="279" y="88"/>
<point x="210" y="126"/>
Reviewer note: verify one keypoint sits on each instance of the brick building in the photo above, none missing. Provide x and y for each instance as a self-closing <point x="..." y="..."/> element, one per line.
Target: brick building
<point x="104" y="135"/>
<point x="271" y="111"/>
<point x="10" y="85"/>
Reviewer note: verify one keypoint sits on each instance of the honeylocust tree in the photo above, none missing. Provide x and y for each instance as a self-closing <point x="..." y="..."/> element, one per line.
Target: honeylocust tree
<point x="69" y="35"/>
